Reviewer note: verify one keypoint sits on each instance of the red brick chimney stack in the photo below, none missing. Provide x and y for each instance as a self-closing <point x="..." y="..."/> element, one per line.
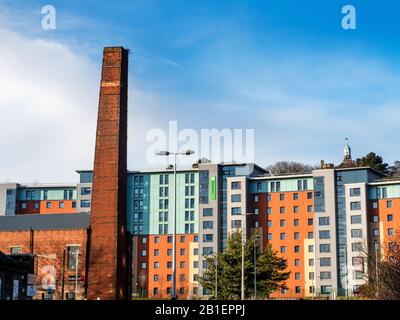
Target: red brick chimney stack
<point x="108" y="260"/>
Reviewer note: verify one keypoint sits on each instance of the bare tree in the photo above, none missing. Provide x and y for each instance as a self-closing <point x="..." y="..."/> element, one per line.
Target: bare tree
<point x="383" y="278"/>
<point x="289" y="167"/>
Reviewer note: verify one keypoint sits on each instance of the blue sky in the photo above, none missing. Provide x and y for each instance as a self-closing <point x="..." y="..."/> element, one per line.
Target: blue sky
<point x="285" y="68"/>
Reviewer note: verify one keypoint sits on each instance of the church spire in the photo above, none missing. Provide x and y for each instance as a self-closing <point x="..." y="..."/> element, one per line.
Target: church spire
<point x="347" y="150"/>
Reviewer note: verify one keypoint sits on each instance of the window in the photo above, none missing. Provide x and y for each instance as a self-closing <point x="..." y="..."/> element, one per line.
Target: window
<point x="358" y="275"/>
<point x="283" y="236"/>
<point x="310" y="222"/>
<point x="295" y="196"/>
<point x="296" y="222"/>
<point x="36" y="205"/>
<point x="389" y="217"/>
<point x="48" y="205"/>
<point x="236" y="211"/>
<point x="61" y="205"/>
<point x="208" y="238"/>
<point x="375" y="205"/>
<point x="207" y="224"/>
<point x="356" y="205"/>
<point x="309" y="208"/>
<point x="235" y="185"/>
<point x="296" y="236"/>
<point x="269" y="210"/>
<point x="356" y="233"/>
<point x="325" y="275"/>
<point x="295" y="209"/>
<point x="86" y="191"/>
<point x="323" y="221"/>
<point x="207" y="250"/>
<point x="269" y="197"/>
<point x="182" y="252"/>
<point x="310" y="248"/>
<point x="72" y="255"/>
<point x="156" y="239"/>
<point x="282" y="196"/>
<point x="269" y="236"/>
<point x="207" y="212"/>
<point x="169" y="239"/>
<point x="355" y="247"/>
<point x="16" y="250"/>
<point x="375" y="232"/>
<point x="236" y="224"/>
<point x="255" y="198"/>
<point x="325" y="234"/>
<point x="311" y="276"/>
<point x="297" y="276"/>
<point x="296" y="249"/>
<point x="309" y="195"/>
<point x="375" y="218"/>
<point x="355" y="192"/>
<point x="324" y="247"/>
<point x="169" y="265"/>
<point x="74" y="204"/>
<point x="355" y="219"/>
<point x="282" y="210"/>
<point x="256" y="211"/>
<point x="283" y="249"/>
<point x="269" y="223"/>
<point x="143" y="265"/>
<point x="389" y="204"/>
<point x="297" y="262"/>
<point x="85" y="204"/>
<point x="182" y="264"/>
<point x="236" y="197"/>
<point x="355" y="261"/>
<point x="326" y="289"/>
<point x="183" y="239"/>
<point x="282" y="223"/>
<point x="325" y="262"/>
<point x="390" y="231"/>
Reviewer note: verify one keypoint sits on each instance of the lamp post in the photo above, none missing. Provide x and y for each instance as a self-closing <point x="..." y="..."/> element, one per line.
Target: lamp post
<point x="376" y="245"/>
<point x="76" y="273"/>
<point x="255" y="265"/>
<point x="167" y="153"/>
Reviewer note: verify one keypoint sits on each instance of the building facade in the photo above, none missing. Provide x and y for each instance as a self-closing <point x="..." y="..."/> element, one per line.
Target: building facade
<point x="321" y="222"/>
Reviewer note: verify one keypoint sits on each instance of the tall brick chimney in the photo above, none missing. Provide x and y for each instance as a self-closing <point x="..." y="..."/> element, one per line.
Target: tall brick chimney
<point x="108" y="262"/>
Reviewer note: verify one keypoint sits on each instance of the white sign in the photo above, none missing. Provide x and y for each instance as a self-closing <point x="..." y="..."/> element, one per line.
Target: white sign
<point x="16" y="290"/>
<point x="30" y="291"/>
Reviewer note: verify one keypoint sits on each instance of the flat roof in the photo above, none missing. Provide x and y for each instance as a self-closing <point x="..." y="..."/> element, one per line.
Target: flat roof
<point x="25" y="222"/>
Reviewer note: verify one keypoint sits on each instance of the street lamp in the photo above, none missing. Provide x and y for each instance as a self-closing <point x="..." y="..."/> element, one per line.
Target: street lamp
<point x="167" y="153"/>
<point x="255" y="265"/>
<point x="376" y="245"/>
<point x="76" y="273"/>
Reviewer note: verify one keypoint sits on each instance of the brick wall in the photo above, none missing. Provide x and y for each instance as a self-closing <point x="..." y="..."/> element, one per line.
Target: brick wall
<point x="48" y="247"/>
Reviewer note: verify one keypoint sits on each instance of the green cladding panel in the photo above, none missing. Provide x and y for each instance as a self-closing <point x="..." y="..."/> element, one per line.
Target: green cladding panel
<point x="213" y="188"/>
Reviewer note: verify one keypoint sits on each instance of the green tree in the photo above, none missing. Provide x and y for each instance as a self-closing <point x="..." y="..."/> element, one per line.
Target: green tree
<point x="270" y="270"/>
<point x="374" y="161"/>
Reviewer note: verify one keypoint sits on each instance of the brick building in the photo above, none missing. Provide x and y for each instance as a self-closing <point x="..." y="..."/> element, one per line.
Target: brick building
<point x="58" y="244"/>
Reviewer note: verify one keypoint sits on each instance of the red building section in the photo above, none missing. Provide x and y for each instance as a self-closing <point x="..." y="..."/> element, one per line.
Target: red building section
<point x="286" y="221"/>
<point x="154" y="265"/>
<point x="384" y="220"/>
<point x="45" y="206"/>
